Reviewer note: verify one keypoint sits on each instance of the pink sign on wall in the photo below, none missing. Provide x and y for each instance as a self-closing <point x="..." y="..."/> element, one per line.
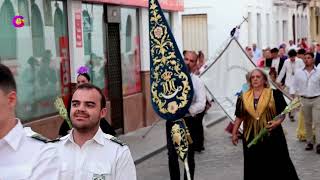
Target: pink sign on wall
<point x="171" y="5"/>
<point x="78" y="29"/>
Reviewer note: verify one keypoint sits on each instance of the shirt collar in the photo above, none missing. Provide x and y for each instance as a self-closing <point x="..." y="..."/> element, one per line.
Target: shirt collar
<point x="314" y="68"/>
<point x="14" y="137"/>
<point x="98" y="137"/>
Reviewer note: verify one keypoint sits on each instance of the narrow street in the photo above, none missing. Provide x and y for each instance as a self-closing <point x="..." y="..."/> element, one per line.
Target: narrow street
<point x="223" y="161"/>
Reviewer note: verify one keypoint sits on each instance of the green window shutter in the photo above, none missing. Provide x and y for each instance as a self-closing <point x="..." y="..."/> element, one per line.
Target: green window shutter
<point x="8" y="34"/>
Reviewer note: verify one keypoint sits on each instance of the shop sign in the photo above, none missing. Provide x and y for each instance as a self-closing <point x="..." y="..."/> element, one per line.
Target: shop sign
<point x="171" y="5"/>
<point x="78" y="29"/>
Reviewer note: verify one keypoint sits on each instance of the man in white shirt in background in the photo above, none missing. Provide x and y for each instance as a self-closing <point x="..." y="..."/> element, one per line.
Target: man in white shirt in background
<point x="288" y="70"/>
<point x="257" y="53"/>
<point x="197" y="106"/>
<point x="306" y="84"/>
<point x="276" y="59"/>
<point x="292" y="45"/>
<point x="21" y="156"/>
<point x="88" y="153"/>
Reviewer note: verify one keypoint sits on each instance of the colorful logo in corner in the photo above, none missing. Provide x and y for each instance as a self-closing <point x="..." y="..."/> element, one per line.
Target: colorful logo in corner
<point x="18" y="21"/>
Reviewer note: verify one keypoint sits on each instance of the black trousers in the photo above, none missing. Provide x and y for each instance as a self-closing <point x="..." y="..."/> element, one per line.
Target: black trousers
<point x="196" y="131"/>
<point x="174" y="169"/>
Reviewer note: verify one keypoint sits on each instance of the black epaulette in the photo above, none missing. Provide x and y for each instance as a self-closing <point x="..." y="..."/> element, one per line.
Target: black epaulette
<point x="115" y="140"/>
<point x="44" y="139"/>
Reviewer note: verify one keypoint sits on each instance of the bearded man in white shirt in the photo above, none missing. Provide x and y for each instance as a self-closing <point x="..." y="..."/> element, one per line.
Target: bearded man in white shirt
<point x="22" y="157"/>
<point x="88" y="153"/>
<point x="306" y="84"/>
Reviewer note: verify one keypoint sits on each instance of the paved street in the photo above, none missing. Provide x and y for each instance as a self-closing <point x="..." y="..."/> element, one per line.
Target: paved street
<point x="223" y="161"/>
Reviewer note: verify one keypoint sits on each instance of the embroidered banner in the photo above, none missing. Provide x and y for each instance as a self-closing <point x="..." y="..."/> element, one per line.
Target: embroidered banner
<point x="171" y="86"/>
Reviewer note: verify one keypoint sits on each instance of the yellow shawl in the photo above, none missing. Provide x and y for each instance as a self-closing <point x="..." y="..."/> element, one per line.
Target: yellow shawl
<point x="256" y="119"/>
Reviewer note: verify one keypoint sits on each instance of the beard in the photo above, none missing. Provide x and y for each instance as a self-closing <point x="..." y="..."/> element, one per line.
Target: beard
<point x="92" y="123"/>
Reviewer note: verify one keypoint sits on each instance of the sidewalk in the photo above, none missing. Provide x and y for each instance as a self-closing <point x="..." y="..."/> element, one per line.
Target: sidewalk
<point x="154" y="142"/>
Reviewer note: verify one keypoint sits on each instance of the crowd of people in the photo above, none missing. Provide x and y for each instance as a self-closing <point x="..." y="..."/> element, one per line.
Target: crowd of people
<point x="78" y="154"/>
<point x="283" y="63"/>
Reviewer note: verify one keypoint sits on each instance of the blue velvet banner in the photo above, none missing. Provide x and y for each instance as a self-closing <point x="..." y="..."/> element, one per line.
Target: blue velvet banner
<point x="171" y="85"/>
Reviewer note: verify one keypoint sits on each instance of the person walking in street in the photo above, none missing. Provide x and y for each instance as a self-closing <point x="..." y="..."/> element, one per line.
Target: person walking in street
<point x="198" y="136"/>
<point x="301" y="132"/>
<point x="306" y="85"/>
<point x="256" y="108"/>
<point x="197" y="107"/>
<point x="21" y="155"/>
<point x="317" y="55"/>
<point x="87" y="152"/>
<point x="288" y="70"/>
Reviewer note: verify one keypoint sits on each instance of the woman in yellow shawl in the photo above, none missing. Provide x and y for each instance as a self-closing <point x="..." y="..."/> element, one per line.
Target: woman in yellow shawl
<point x="269" y="159"/>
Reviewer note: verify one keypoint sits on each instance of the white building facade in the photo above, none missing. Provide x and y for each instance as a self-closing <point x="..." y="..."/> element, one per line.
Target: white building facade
<point x="269" y="24"/>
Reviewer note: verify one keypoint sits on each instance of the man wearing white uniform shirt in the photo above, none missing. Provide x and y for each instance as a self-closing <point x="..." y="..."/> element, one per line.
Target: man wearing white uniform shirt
<point x="306" y="84"/>
<point x="21" y="156"/>
<point x="87" y="153"/>
<point x="289" y="68"/>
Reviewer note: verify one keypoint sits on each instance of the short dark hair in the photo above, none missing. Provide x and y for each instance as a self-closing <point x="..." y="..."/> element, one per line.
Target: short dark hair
<point x="7" y="82"/>
<point x="89" y="86"/>
<point x="301" y="51"/>
<point x="310" y="54"/>
<point x="86" y="75"/>
<point x="184" y="52"/>
<point x="292" y="53"/>
<point x="274" y="50"/>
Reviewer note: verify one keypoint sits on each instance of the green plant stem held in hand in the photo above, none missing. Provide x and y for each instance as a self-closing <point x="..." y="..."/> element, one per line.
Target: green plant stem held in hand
<point x="58" y="103"/>
<point x="295" y="103"/>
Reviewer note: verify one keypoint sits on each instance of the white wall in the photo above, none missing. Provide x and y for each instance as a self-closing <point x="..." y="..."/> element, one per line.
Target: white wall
<point x="222" y="17"/>
<point x="220" y="20"/>
<point x="144" y="35"/>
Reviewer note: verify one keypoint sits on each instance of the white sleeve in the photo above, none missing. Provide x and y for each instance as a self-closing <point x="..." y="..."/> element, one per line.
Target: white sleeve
<point x="301" y="64"/>
<point x="48" y="164"/>
<point x="200" y="101"/>
<point x="293" y="89"/>
<point x="125" y="168"/>
<point x="282" y="72"/>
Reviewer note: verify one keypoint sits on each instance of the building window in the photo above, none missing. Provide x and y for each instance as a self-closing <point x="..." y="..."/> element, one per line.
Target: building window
<point x="8" y="34"/>
<point x="94" y="42"/>
<point x="59" y="26"/>
<point x="48" y="12"/>
<point x="128" y="34"/>
<point x="87" y="28"/>
<point x="37" y="30"/>
<point x="284" y="31"/>
<point x="259" y="24"/>
<point x="268" y="29"/>
<point x="23" y="7"/>
<point x="36" y="63"/>
<point x="130" y="52"/>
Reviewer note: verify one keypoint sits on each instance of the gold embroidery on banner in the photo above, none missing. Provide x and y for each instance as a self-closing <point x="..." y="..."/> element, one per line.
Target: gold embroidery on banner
<point x="166" y="70"/>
